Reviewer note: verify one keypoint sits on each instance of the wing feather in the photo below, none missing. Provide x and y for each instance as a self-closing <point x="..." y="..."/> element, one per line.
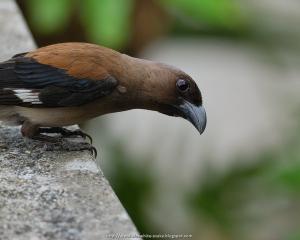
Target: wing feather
<point x="26" y="82"/>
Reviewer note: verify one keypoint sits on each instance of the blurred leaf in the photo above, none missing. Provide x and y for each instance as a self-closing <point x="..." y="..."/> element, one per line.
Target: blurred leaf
<point x="49" y="16"/>
<point x="290" y="177"/>
<point x="133" y="186"/>
<point x="219" y="196"/>
<point x="294" y="236"/>
<point x="287" y="173"/>
<point x="107" y="22"/>
<point x="220" y="13"/>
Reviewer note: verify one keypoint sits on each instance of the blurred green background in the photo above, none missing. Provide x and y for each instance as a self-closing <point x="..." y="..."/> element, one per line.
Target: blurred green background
<point x="241" y="179"/>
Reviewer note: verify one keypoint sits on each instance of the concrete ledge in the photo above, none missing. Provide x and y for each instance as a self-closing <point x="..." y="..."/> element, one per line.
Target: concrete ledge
<point x="50" y="195"/>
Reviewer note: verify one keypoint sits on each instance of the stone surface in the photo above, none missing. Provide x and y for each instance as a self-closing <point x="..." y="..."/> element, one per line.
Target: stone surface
<point x="14" y="34"/>
<point x="49" y="194"/>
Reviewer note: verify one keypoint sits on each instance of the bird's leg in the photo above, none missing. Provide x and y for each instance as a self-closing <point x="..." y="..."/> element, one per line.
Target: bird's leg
<point x="65" y="132"/>
<point x="34" y="132"/>
<point x="31" y="131"/>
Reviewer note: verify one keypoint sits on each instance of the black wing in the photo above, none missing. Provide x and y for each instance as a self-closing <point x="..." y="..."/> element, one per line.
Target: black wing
<point x="25" y="82"/>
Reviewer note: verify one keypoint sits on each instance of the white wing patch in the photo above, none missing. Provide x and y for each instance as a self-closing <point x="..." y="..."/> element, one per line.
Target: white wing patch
<point x="27" y="95"/>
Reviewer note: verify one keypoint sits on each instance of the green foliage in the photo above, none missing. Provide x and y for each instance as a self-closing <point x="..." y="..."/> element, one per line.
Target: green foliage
<point x="222" y="199"/>
<point x="49" y="16"/>
<point x="287" y="172"/>
<point x="272" y="177"/>
<point x="227" y="199"/>
<point x="294" y="236"/>
<point x="217" y="13"/>
<point x="107" y="21"/>
<point x="218" y="197"/>
<point x="133" y="185"/>
<point x="289" y="177"/>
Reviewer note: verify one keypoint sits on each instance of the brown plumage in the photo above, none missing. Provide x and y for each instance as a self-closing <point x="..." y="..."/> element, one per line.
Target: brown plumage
<point x="68" y="83"/>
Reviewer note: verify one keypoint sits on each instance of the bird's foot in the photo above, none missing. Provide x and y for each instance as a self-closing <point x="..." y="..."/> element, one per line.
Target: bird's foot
<point x="65" y="132"/>
<point x="46" y="139"/>
<point x="71" y="146"/>
<point x="61" y="144"/>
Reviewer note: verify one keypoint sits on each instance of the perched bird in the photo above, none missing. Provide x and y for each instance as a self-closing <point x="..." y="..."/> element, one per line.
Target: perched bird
<point x="68" y="83"/>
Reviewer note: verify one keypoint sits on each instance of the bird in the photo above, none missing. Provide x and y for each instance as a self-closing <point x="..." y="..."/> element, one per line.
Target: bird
<point x="52" y="87"/>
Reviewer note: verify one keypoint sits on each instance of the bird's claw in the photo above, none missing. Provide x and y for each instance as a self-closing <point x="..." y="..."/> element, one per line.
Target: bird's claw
<point x="93" y="151"/>
<point x="81" y="134"/>
<point x="60" y="143"/>
<point x="71" y="146"/>
<point x="66" y="132"/>
<point x="81" y="147"/>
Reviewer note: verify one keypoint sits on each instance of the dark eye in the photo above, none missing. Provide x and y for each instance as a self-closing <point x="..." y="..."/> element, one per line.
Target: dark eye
<point x="182" y="85"/>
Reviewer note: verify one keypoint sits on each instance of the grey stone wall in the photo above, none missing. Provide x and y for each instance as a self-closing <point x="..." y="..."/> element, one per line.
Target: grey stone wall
<point x="49" y="194"/>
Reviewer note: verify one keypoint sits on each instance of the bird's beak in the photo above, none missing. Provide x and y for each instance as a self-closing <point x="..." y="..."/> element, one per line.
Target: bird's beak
<point x="195" y="114"/>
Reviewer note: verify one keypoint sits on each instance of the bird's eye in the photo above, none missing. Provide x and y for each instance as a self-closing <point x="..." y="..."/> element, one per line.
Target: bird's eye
<point x="182" y="85"/>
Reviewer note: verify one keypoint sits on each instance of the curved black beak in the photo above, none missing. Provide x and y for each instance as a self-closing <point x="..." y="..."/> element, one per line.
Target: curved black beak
<point x="195" y="114"/>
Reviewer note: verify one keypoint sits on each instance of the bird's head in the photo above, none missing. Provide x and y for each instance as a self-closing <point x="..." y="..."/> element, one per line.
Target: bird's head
<point x="182" y="97"/>
<point x="168" y="90"/>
